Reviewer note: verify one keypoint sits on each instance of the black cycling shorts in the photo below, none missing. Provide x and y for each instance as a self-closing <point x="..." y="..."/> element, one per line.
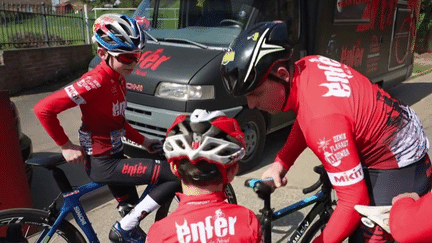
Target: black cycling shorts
<point x="383" y="185"/>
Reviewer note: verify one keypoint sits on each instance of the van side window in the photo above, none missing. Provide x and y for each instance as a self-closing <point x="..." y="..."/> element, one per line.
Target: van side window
<point x="285" y="10"/>
<point x="167" y="16"/>
<point x="290" y="13"/>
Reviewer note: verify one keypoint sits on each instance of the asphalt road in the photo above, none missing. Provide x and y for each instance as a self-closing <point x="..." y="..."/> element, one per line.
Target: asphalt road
<point x="100" y="205"/>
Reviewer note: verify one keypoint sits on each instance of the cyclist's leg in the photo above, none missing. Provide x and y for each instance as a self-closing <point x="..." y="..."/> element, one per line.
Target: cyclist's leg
<point x="383" y="185"/>
<point x="118" y="170"/>
<point x="97" y="169"/>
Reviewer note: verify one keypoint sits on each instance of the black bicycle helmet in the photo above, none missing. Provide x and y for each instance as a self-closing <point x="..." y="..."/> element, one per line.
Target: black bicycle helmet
<point x="252" y="55"/>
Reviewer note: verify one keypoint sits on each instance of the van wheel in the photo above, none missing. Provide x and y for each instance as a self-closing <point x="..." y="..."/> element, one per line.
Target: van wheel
<point x="253" y="126"/>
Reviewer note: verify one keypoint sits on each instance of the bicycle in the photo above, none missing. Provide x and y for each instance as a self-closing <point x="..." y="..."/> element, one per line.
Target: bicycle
<point x="35" y="225"/>
<point x="316" y="219"/>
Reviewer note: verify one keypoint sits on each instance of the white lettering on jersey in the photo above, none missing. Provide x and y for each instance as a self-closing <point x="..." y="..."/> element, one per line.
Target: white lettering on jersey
<point x="334" y="150"/>
<point x="346" y="178"/>
<point x="337" y="77"/>
<point x="88" y="83"/>
<point x="74" y="95"/>
<point x="118" y="109"/>
<point x="217" y="225"/>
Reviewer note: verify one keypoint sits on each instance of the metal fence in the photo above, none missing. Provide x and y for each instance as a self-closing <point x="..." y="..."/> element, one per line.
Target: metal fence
<point x="23" y="26"/>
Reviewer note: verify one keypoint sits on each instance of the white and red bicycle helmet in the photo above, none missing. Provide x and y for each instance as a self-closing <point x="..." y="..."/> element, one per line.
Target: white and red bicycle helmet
<point x="205" y="136"/>
<point x="119" y="33"/>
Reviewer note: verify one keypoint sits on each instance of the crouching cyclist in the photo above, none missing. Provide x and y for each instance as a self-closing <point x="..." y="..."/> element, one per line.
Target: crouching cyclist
<point x="372" y="146"/>
<point x="203" y="150"/>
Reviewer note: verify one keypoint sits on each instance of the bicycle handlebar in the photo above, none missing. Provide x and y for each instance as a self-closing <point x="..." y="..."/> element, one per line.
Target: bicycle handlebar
<point x="266" y="186"/>
<point x="319" y="169"/>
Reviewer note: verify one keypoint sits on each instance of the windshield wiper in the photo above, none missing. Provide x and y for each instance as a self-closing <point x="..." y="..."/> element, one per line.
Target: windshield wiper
<point x="151" y="37"/>
<point x="178" y="40"/>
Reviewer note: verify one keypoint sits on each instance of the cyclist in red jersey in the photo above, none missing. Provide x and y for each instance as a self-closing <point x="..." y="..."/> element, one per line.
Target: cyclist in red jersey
<point x="372" y="146"/>
<point x="203" y="150"/>
<point x="101" y="96"/>
<point x="410" y="218"/>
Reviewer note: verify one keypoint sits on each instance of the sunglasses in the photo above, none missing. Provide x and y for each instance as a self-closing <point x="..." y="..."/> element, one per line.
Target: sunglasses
<point x="126" y="58"/>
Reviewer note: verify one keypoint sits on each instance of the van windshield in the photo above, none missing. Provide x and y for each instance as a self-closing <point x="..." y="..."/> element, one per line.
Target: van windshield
<point x="197" y="22"/>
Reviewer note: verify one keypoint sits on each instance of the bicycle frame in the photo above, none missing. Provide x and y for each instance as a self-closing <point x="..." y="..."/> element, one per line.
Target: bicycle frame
<point x="73" y="205"/>
<point x="321" y="200"/>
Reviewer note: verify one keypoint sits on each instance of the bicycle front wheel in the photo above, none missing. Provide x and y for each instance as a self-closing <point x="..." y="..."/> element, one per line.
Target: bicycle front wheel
<point x="34" y="224"/>
<point x="172" y="204"/>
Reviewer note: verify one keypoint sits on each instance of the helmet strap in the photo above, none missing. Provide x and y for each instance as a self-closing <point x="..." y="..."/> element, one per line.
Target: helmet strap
<point x="107" y="59"/>
<point x="287" y="85"/>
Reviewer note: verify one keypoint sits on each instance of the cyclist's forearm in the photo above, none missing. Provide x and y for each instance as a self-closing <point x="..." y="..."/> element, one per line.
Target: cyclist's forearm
<point x="47" y="109"/>
<point x="292" y="148"/>
<point x="133" y="135"/>
<point x="410" y="220"/>
<point x="345" y="214"/>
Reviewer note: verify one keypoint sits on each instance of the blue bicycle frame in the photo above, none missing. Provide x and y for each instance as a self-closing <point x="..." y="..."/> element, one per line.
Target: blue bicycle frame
<point x="73" y="205"/>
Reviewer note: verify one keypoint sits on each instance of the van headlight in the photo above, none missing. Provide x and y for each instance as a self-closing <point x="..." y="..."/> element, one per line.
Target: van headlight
<point x="184" y="92"/>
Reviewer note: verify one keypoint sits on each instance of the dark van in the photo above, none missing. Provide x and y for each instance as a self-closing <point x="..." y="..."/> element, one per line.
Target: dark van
<point x="179" y="70"/>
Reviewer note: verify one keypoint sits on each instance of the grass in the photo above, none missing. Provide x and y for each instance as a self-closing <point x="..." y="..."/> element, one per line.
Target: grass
<point x="419" y="68"/>
<point x="68" y="27"/>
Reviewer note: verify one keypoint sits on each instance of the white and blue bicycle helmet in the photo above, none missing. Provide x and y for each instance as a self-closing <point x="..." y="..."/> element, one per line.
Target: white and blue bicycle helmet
<point x="118" y="33"/>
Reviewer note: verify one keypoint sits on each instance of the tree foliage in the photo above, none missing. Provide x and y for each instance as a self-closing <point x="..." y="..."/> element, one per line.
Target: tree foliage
<point x="424" y="32"/>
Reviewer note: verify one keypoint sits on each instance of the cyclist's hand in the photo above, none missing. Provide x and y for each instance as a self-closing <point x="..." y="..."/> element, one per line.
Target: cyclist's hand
<point x="413" y="195"/>
<point x="73" y="153"/>
<point x="151" y="145"/>
<point x="277" y="172"/>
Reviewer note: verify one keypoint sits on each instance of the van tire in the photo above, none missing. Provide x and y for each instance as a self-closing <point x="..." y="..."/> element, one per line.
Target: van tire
<point x="253" y="126"/>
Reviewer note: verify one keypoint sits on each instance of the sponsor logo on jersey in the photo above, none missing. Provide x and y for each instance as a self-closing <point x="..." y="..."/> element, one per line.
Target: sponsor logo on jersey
<point x="218" y="226"/>
<point x="74" y="95"/>
<point x="334" y="149"/>
<point x="119" y="108"/>
<point x="346" y="178"/>
<point x="88" y="83"/>
<point x="337" y="77"/>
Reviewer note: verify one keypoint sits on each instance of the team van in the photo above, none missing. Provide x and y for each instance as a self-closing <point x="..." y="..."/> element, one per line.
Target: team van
<point x="179" y="70"/>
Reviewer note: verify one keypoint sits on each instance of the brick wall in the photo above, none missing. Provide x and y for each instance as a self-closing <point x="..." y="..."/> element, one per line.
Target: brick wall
<point x="24" y="69"/>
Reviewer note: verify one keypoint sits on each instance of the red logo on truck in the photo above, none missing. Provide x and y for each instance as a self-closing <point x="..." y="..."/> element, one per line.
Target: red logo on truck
<point x="150" y="60"/>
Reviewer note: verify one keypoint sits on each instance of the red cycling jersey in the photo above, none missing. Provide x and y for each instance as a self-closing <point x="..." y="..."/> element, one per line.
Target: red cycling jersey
<point x="410" y="220"/>
<point x="349" y="123"/>
<point x="207" y="218"/>
<point x="101" y="95"/>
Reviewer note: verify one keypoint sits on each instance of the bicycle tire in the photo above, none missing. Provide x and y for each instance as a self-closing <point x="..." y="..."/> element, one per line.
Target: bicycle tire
<point x="314" y="230"/>
<point x="163" y="211"/>
<point x="33" y="221"/>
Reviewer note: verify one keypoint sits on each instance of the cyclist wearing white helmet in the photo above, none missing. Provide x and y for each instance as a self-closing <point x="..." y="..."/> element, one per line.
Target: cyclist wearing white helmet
<point x="101" y="96"/>
<point x="203" y="150"/>
<point x="372" y="146"/>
